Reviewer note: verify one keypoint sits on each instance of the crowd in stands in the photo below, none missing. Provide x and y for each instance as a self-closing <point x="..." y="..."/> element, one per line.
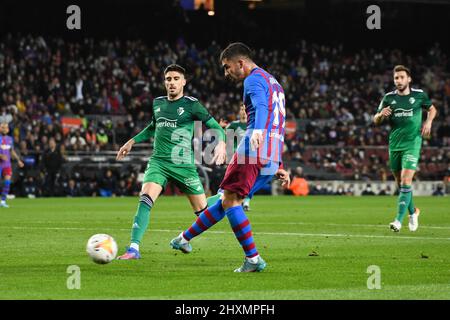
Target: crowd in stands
<point x="330" y="93"/>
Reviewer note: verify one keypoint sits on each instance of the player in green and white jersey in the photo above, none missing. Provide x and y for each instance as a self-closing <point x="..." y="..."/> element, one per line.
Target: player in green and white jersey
<point x="403" y="109"/>
<point x="172" y="125"/>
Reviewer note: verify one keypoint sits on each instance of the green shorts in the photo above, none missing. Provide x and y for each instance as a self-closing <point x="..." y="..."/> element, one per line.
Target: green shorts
<point x="185" y="177"/>
<point x="405" y="159"/>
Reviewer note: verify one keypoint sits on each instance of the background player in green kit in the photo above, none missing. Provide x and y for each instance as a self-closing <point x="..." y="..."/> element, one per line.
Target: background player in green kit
<point x="172" y="159"/>
<point x="403" y="109"/>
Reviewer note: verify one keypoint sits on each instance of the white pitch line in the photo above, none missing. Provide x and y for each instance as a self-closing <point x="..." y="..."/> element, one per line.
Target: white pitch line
<point x="295" y="234"/>
<point x="346" y="225"/>
<point x="290" y="223"/>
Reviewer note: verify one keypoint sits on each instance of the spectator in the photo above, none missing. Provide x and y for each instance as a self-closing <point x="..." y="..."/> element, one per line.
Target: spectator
<point x="30" y="188"/>
<point x="368" y="191"/>
<point x="122" y="189"/>
<point x="439" y="191"/>
<point x="299" y="185"/>
<point x="385" y="192"/>
<point x="90" y="189"/>
<point x="108" y="184"/>
<point x="52" y="162"/>
<point x="72" y="189"/>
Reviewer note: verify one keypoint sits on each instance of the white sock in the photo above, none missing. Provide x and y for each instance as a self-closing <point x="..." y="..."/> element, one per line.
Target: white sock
<point x="134" y="246"/>
<point x="254" y="259"/>
<point x="183" y="240"/>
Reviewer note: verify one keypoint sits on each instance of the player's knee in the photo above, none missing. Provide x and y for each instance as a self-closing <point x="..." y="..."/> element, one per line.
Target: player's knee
<point x="230" y="199"/>
<point x="406" y="181"/>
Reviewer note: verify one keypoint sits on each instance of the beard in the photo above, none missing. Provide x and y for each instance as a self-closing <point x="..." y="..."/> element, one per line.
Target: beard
<point x="402" y="88"/>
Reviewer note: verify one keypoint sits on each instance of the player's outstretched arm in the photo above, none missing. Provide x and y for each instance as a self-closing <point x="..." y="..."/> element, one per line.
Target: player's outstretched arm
<point x="380" y="116"/>
<point x="426" y="128"/>
<point x="144" y="135"/>
<point x="125" y="149"/>
<point x="16" y="156"/>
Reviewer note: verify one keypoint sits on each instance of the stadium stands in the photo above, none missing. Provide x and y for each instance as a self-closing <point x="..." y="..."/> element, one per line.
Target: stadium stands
<point x="90" y="97"/>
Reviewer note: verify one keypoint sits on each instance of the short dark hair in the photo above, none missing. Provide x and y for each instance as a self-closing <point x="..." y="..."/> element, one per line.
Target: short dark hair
<point x="175" y="67"/>
<point x="401" y="67"/>
<point x="236" y="49"/>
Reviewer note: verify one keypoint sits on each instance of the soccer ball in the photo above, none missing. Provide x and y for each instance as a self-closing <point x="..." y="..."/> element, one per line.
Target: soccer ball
<point x="102" y="248"/>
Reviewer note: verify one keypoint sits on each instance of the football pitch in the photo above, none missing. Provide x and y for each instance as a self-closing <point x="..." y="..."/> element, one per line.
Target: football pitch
<point x="315" y="248"/>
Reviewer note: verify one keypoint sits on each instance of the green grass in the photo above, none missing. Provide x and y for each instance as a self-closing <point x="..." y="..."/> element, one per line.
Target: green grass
<point x="40" y="238"/>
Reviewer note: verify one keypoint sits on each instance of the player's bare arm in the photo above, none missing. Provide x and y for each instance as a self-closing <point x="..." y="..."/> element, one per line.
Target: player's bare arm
<point x="383" y="114"/>
<point x="125" y="149"/>
<point x="426" y="128"/>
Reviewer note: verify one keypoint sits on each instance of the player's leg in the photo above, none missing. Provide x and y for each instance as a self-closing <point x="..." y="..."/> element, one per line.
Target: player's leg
<point x="232" y="204"/>
<point x="237" y="183"/>
<point x="6" y="186"/>
<point x="155" y="180"/>
<point x="188" y="181"/>
<point x="246" y="203"/>
<point x="204" y="221"/>
<point x="410" y="162"/>
<point x="198" y="203"/>
<point x="404" y="162"/>
<point x="395" y="163"/>
<point x="149" y="193"/>
<point x="213" y="199"/>
<point x="398" y="178"/>
<point x="260" y="182"/>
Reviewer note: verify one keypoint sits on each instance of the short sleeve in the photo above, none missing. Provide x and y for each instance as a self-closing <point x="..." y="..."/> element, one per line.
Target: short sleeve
<point x="427" y="103"/>
<point x="382" y="104"/>
<point x="199" y="112"/>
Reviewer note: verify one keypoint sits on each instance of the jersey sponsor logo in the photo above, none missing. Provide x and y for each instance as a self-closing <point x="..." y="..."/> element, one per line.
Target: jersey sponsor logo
<point x="166" y="123"/>
<point x="412" y="100"/>
<point x="180" y="111"/>
<point x="400" y="112"/>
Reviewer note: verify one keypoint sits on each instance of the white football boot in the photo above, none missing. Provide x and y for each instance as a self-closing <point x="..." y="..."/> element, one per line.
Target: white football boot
<point x="414" y="220"/>
<point x="395" y="226"/>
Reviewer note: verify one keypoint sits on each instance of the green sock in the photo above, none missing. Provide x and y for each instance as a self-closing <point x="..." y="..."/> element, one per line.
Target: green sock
<point x="404" y="198"/>
<point x="411" y="207"/>
<point x="213" y="199"/>
<point x="141" y="218"/>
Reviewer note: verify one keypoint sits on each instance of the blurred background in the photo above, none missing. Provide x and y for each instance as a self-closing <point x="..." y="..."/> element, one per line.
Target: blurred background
<point x="73" y="97"/>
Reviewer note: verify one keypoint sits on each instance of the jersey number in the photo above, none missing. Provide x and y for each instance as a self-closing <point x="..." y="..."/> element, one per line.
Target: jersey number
<point x="278" y="102"/>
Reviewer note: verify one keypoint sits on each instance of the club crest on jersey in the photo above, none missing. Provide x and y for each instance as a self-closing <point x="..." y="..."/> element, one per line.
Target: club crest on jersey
<point x="180" y="111"/>
<point x="412" y="100"/>
<point x="394" y="102"/>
